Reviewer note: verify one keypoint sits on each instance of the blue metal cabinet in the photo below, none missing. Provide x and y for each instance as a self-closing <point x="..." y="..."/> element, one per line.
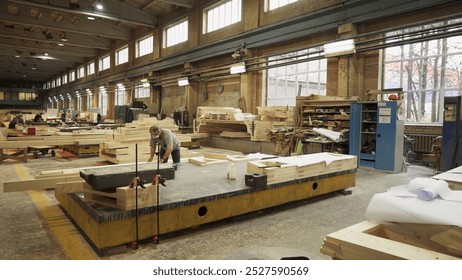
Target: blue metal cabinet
<point x="376" y="135"/>
<point x="451" y="150"/>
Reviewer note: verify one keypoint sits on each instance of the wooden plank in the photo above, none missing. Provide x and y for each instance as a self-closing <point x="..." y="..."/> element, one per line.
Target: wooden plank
<point x="201" y="161"/>
<point x="37" y="184"/>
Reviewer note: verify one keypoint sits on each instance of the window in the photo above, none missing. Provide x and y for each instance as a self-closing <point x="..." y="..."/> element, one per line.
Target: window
<point x="71" y="76"/>
<point x="29" y="96"/>
<point x="89" y="100"/>
<point x="306" y="74"/>
<point x="91" y="68"/>
<point x="274" y="4"/>
<point x="2" y="95"/>
<point x="58" y="82"/>
<point x="176" y="33"/>
<point x="222" y="14"/>
<point x="80" y="72"/>
<point x="144" y="46"/>
<point x="120" y="95"/>
<point x="122" y="56"/>
<point x="78" y="101"/>
<point x="142" y="92"/>
<point x="64" y="79"/>
<point x="103" y="103"/>
<point x="104" y="63"/>
<point x="427" y="71"/>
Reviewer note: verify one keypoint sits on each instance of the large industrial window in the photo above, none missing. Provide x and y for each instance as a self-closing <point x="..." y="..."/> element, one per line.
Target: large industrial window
<point x="303" y="73"/>
<point x="29" y="96"/>
<point x="89" y="100"/>
<point x="91" y="68"/>
<point x="122" y="55"/>
<point x="79" y="101"/>
<point x="120" y="95"/>
<point x="274" y="4"/>
<point x="103" y="103"/>
<point x="64" y="79"/>
<point x="2" y="95"/>
<point x="222" y="14"/>
<point x="176" y="33"/>
<point x="142" y="92"/>
<point x="144" y="46"/>
<point x="58" y="82"/>
<point x="104" y="63"/>
<point x="80" y="72"/>
<point x="72" y="76"/>
<point x="427" y="71"/>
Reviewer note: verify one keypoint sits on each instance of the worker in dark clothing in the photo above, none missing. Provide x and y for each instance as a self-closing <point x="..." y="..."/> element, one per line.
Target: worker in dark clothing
<point x="63" y="117"/>
<point x="16" y="120"/>
<point x="169" y="144"/>
<point x="38" y="118"/>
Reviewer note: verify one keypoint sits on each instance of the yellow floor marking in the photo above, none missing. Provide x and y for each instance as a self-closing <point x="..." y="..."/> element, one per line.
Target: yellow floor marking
<point x="70" y="239"/>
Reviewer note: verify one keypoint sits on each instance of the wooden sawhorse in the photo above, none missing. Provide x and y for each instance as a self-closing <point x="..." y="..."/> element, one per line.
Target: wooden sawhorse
<point x="20" y="154"/>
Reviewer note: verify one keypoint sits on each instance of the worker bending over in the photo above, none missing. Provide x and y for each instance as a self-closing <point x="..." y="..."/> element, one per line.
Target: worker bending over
<point x="17" y="120"/>
<point x="169" y="144"/>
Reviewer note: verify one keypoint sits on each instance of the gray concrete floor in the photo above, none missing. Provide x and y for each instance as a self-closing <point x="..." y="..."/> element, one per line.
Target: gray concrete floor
<point x="297" y="229"/>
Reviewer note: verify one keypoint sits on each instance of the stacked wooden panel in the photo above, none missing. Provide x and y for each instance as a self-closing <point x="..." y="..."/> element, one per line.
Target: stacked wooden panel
<point x="298" y="167"/>
<point x="124" y="198"/>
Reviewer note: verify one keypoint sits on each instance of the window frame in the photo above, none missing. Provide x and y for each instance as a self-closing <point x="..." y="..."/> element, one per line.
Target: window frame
<point x="140" y="42"/>
<point x="220" y="9"/>
<point x="102" y="64"/>
<point x="118" y="55"/>
<point x="167" y="43"/>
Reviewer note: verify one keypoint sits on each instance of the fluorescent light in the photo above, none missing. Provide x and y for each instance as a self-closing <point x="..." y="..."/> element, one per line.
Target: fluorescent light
<point x="145" y="83"/>
<point x="91" y="18"/>
<point x="237" y="68"/>
<point x="99" y="6"/>
<point x="183" y="82"/>
<point x="339" y="48"/>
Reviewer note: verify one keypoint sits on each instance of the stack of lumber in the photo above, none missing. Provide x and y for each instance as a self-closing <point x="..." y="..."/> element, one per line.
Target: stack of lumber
<point x="394" y="241"/>
<point x="57" y="139"/>
<point x="271" y="118"/>
<point x="120" y="147"/>
<point x="231" y="122"/>
<point x="283" y="114"/>
<point x="283" y="169"/>
<point x="219" y="113"/>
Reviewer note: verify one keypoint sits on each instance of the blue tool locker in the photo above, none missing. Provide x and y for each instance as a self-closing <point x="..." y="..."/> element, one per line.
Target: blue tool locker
<point x="377" y="134"/>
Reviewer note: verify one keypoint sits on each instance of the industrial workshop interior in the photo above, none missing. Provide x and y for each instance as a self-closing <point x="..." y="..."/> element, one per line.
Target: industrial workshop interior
<point x="230" y="130"/>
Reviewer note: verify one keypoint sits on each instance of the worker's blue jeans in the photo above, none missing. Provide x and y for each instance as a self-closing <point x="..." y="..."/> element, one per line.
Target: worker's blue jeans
<point x="175" y="155"/>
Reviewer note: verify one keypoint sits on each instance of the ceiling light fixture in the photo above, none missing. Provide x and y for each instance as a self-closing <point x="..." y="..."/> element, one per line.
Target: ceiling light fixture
<point x="237" y="68"/>
<point x="90" y="18"/>
<point x="183" y="82"/>
<point x="99" y="6"/>
<point x="339" y="48"/>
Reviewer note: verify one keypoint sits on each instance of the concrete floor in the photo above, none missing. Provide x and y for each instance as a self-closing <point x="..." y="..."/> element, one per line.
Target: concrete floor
<point x="29" y="225"/>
